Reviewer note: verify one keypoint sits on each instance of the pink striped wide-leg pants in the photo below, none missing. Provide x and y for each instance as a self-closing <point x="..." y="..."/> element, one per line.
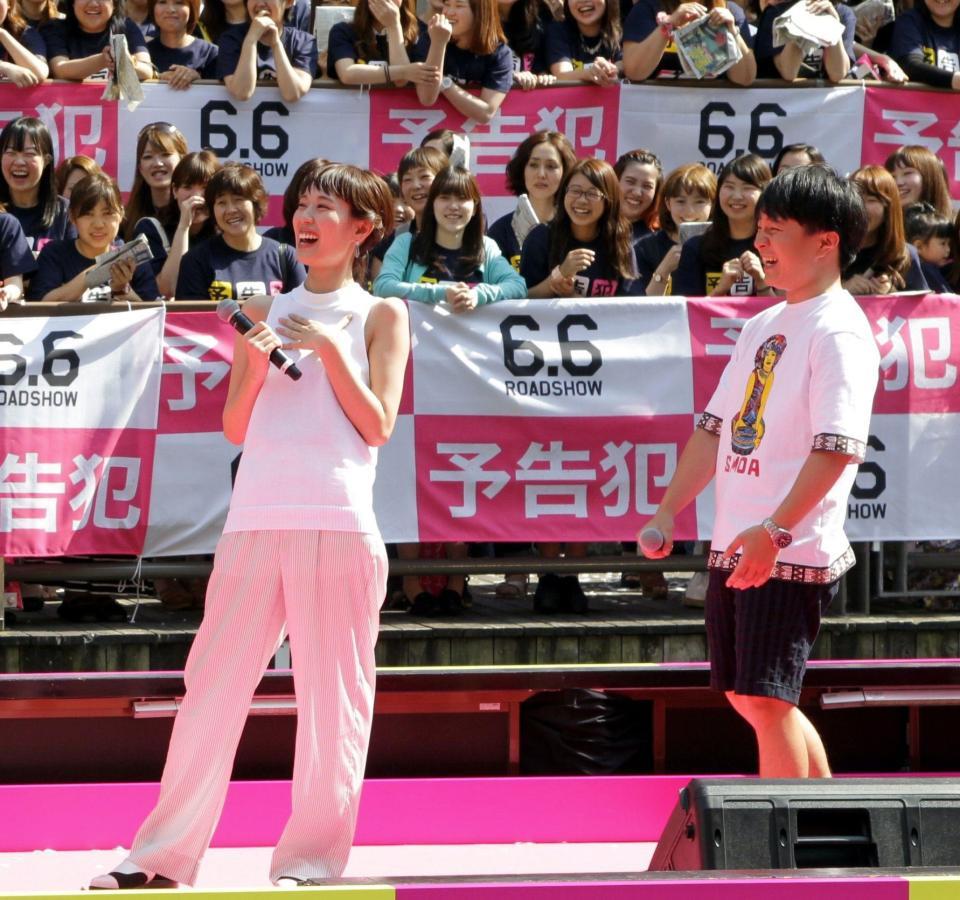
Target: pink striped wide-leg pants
<point x="327" y="586"/>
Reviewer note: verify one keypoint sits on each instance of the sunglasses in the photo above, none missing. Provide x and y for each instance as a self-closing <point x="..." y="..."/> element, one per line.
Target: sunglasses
<point x="163" y="127"/>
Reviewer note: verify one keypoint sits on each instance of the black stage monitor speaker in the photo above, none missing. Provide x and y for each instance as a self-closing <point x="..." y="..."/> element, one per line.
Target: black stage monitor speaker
<point x="812" y="823"/>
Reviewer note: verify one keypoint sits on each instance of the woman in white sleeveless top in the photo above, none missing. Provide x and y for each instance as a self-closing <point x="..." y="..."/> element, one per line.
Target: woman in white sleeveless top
<point x="300" y="549"/>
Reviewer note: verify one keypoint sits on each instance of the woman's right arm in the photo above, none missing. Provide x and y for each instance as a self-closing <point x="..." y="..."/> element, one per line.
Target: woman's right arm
<point x="641" y="57"/>
<point x="390" y="282"/>
<point x="24" y="59"/>
<point x="67" y="69"/>
<point x="251" y="359"/>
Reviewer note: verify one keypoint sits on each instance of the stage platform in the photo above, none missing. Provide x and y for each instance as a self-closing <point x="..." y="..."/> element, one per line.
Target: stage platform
<point x="425" y="839"/>
<point x="622" y="626"/>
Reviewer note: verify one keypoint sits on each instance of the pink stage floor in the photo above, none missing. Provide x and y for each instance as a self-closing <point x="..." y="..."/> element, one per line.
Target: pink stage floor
<point x="430" y="839"/>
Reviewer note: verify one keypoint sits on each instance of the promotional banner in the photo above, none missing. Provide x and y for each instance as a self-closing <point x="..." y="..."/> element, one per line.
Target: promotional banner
<point x="714" y="125"/>
<point x="524" y="420"/>
<point x="79" y="122"/>
<point x="893" y="119"/>
<point x="78" y="399"/>
<point x="265" y="132"/>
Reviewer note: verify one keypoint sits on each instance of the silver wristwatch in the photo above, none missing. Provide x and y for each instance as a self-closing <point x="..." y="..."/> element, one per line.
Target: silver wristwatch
<point x="446" y="83"/>
<point x="780" y="536"/>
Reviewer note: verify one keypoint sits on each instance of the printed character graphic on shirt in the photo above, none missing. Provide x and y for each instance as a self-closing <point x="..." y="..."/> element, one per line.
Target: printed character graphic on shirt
<point x="742" y="287"/>
<point x="942" y="59"/>
<point x="748" y="426"/>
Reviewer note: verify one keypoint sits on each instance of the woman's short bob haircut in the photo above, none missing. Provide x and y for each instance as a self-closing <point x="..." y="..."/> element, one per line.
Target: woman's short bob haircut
<point x="366" y="194"/>
<point x="692" y="178"/>
<point x="69" y="165"/>
<point x="242" y="180"/>
<point x="818" y="199"/>
<point x="518" y="164"/>
<point x="196" y="168"/>
<point x="92" y="190"/>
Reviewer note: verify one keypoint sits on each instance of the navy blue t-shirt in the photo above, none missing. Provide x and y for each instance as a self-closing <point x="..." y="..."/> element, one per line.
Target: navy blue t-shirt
<point x="502" y="233"/>
<point x="565" y="42"/>
<point x="77" y="44"/>
<point x="282" y="234"/>
<point x="31" y="218"/>
<point x="301" y="49"/>
<point x="642" y="22"/>
<point x="527" y="41"/>
<point x="32" y="40"/>
<point x="914" y="278"/>
<point x="447" y="266"/>
<point x="598" y="280"/>
<point x="16" y="257"/>
<point x="694" y="278"/>
<point x="812" y="65"/>
<point x="935" y="278"/>
<point x="215" y="271"/>
<point x="343" y="44"/>
<point x="490" y="70"/>
<point x="60" y="261"/>
<point x="650" y="251"/>
<point x="928" y="53"/>
<point x="299" y="16"/>
<point x="200" y="55"/>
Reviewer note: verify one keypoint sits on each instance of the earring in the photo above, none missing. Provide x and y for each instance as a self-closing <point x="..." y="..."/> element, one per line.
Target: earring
<point x="356" y="251"/>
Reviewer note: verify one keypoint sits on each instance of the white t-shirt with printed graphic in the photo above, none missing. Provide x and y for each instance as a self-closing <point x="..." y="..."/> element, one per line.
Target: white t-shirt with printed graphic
<point x="802" y="377"/>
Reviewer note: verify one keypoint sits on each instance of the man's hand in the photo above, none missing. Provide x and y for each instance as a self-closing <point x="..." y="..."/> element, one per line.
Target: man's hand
<point x="758" y="556"/>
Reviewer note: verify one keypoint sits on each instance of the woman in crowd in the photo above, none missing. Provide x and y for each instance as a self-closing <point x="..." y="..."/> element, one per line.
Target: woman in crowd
<point x="723" y="262"/>
<point x="267" y="49"/>
<point x="641" y="179"/>
<point x="301" y="552"/>
<point x="16" y="261"/>
<point x="536" y="171"/>
<point x="96" y="210"/>
<point x="416" y="173"/>
<point x="23" y="51"/>
<point x="284" y="234"/>
<point x="932" y="235"/>
<point x="885" y="262"/>
<point x="921" y="178"/>
<point x="525" y="23"/>
<point x="586" y="45"/>
<point x="216" y="16"/>
<point x="150" y="208"/>
<point x="71" y="170"/>
<point x="28" y="188"/>
<point x="468" y="45"/>
<point x="78" y="46"/>
<point x="447" y="260"/>
<point x="179" y="57"/>
<point x="194" y="223"/>
<point x="788" y="60"/>
<point x="384" y="44"/>
<point x="648" y="46"/>
<point x="689" y="193"/>
<point x="926" y="43"/>
<point x="585" y="251"/>
<point x="39" y="12"/>
<point x="797" y="155"/>
<point x="238" y="262"/>
<point x="139" y="12"/>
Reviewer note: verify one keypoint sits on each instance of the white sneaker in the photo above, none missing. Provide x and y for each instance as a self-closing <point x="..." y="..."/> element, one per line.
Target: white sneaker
<point x="696" y="593"/>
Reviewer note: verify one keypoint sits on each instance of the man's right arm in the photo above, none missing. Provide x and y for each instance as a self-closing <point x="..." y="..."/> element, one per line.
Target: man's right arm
<point x="694" y="472"/>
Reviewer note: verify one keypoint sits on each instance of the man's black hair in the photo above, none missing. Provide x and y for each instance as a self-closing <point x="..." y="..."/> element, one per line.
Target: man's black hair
<point x="818" y="199"/>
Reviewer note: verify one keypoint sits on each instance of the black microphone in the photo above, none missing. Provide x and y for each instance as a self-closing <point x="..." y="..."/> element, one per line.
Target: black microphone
<point x="229" y="311"/>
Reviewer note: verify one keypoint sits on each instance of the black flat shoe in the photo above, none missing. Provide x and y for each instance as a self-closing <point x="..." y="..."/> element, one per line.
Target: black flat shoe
<point x="132" y="881"/>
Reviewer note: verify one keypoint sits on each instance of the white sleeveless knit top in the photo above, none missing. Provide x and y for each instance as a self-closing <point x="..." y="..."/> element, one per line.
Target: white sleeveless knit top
<point x="304" y="465"/>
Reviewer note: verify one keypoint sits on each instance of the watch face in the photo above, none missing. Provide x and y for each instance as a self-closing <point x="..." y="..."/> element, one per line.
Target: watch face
<point x="782" y="539"/>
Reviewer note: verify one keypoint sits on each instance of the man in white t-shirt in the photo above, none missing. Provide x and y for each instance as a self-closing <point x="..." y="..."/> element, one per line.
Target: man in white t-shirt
<point x="783" y="434"/>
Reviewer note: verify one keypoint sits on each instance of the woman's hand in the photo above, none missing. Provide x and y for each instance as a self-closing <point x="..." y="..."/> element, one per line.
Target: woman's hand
<point x="462" y="297"/>
<point x="18" y="75"/>
<point x="180" y="77"/>
<point x="822" y="8"/>
<point x="889" y="70"/>
<point x="259" y="342"/>
<point x="386" y="13"/>
<point x="107" y="55"/>
<point x="721" y="17"/>
<point x="264" y="30"/>
<point x="576" y="261"/>
<point x="189" y="208"/>
<point x="668" y="265"/>
<point x="687" y="12"/>
<point x="731" y="273"/>
<point x="120" y="274"/>
<point x="439" y="28"/>
<point x="750" y="265"/>
<point x="10" y="293"/>
<point x="526" y="81"/>
<point x="859" y="285"/>
<point x="416" y="73"/>
<point x="308" y="334"/>
<point x="603" y="72"/>
<point x="880" y="284"/>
